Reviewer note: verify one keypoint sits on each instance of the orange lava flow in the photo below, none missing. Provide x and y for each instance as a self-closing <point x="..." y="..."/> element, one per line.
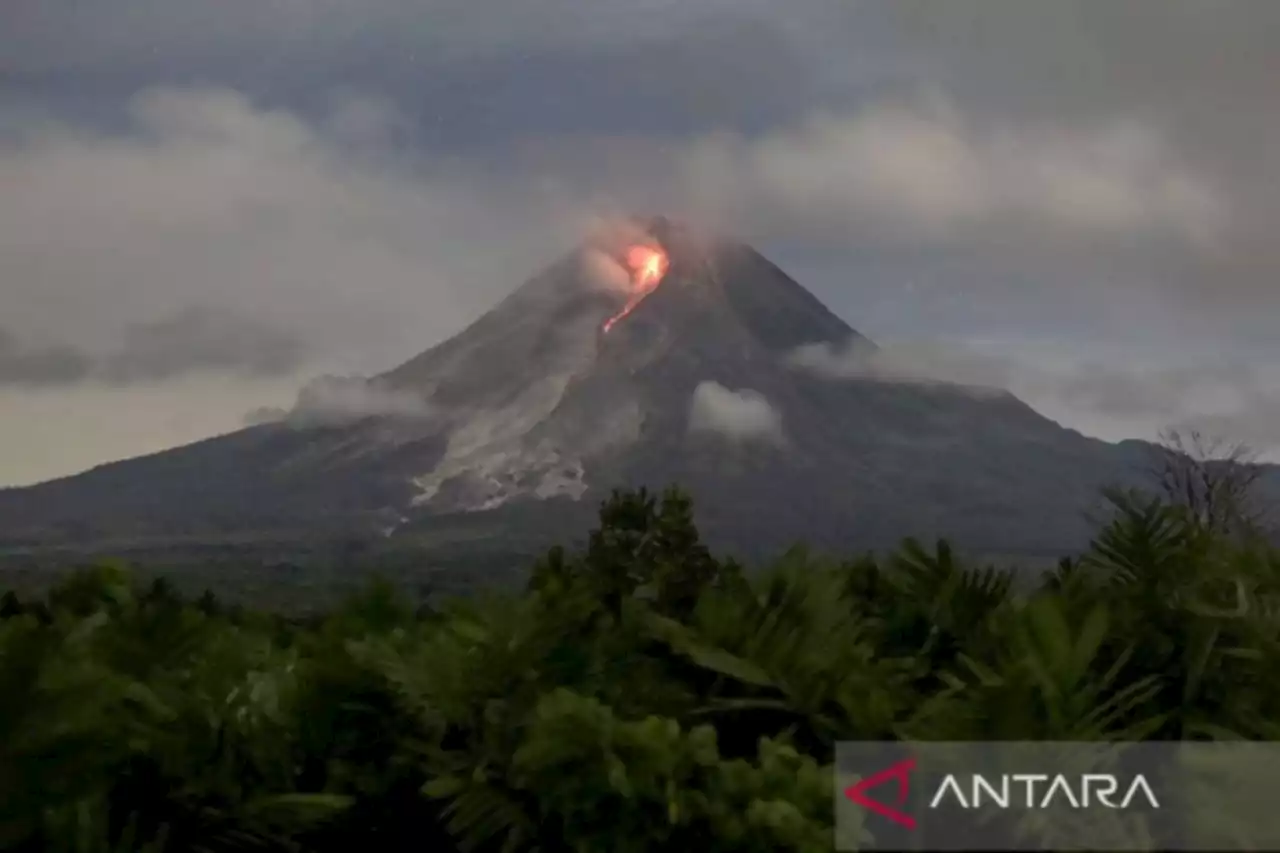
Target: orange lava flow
<point x="648" y="264"/>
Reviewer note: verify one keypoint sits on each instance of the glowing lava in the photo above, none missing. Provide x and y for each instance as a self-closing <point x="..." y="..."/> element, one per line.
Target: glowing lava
<point x="647" y="264"/>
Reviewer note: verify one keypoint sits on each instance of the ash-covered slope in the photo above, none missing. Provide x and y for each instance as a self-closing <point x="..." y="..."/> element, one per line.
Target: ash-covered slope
<point x="535" y="396"/>
<point x="533" y="413"/>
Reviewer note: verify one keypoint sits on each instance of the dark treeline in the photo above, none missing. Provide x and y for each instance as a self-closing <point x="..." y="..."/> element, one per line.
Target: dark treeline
<point x="639" y="695"/>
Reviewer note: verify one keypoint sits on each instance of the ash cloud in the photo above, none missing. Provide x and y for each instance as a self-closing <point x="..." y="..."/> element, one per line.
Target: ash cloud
<point x="740" y="415"/>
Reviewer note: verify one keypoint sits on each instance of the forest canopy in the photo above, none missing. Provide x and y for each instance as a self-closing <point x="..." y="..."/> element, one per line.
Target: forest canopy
<point x="640" y="694"/>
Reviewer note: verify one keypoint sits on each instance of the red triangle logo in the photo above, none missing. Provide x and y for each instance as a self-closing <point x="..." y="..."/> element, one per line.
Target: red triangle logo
<point x="902" y="773"/>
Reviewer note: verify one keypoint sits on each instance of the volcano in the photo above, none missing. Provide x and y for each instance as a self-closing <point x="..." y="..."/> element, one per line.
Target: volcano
<point x="651" y="355"/>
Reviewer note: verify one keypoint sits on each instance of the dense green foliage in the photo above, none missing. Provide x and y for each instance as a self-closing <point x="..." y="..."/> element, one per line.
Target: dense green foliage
<point x="640" y="695"/>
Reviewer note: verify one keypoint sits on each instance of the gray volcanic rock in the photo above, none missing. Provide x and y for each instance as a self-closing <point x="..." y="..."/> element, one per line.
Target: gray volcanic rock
<point x="527" y="418"/>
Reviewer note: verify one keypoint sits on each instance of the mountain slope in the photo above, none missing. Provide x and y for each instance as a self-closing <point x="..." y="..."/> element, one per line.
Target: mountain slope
<point x="530" y="415"/>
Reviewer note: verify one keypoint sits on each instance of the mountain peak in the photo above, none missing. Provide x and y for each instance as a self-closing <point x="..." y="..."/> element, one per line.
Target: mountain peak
<point x="602" y="350"/>
<point x="709" y="280"/>
<point x="691" y="383"/>
<point x="637" y="286"/>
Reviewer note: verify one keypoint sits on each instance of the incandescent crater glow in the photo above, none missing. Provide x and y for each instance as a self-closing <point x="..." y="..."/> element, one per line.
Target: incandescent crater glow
<point x="646" y="266"/>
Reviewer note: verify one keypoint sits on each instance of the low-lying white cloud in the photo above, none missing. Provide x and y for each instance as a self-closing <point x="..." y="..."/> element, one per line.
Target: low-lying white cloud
<point x="1111" y="396"/>
<point x="742" y="414"/>
<point x="336" y="400"/>
<point x="927" y="363"/>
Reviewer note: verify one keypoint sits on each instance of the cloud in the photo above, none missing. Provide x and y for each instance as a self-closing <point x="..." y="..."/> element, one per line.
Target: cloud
<point x="740" y="415"/>
<point x="53" y="36"/>
<point x="198" y="339"/>
<point x="927" y="363"/>
<point x="260" y="415"/>
<point x="256" y="237"/>
<point x="1176" y="55"/>
<point x="348" y="251"/>
<point x="195" y="340"/>
<point x="333" y="400"/>
<point x="603" y="270"/>
<point x="607" y="239"/>
<point x="345" y="252"/>
<point x="36" y="366"/>
<point x="930" y="170"/>
<point x="1203" y="73"/>
<point x="1173" y="391"/>
<point x="1120" y="395"/>
<point x="1256" y="423"/>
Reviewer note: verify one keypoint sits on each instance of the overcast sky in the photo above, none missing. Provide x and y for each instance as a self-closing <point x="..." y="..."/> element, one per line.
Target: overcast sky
<point x="203" y="203"/>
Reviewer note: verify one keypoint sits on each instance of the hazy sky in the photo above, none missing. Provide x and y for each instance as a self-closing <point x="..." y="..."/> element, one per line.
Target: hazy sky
<point x="203" y="203"/>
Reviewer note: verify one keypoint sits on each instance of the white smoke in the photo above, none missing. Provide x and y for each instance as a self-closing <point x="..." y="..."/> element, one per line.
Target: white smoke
<point x="608" y="238"/>
<point x="336" y="400"/>
<point x="739" y="415"/>
<point x="605" y="272"/>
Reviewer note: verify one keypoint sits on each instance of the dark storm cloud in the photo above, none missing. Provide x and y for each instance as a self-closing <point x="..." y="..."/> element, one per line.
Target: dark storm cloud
<point x="472" y="75"/>
<point x="55" y="36"/>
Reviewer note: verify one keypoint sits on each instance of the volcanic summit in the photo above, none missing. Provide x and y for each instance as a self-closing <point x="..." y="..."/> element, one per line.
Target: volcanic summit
<point x="650" y="355"/>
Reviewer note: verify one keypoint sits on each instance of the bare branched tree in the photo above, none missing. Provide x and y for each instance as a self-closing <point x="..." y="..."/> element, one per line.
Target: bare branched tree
<point x="1215" y="480"/>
